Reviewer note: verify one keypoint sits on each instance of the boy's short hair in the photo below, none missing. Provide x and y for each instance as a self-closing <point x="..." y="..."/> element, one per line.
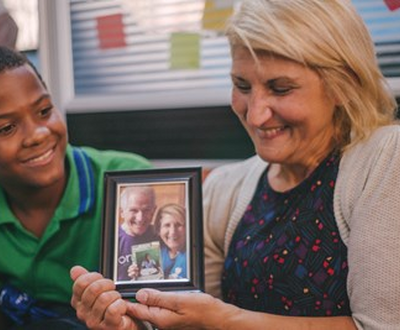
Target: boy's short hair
<point x="11" y="59"/>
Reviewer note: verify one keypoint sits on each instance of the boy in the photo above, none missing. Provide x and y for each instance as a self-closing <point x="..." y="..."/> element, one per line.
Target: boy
<point x="50" y="201"/>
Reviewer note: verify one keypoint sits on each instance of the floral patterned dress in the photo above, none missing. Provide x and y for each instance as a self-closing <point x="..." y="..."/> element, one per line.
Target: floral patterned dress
<point x="286" y="256"/>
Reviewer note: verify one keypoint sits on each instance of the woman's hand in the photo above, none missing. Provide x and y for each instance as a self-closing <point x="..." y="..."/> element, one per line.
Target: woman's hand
<point x="101" y="307"/>
<point x="188" y="311"/>
<point x="97" y="303"/>
<point x="173" y="310"/>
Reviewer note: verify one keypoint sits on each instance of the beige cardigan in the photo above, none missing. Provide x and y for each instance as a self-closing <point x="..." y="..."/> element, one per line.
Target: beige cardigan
<point x="367" y="212"/>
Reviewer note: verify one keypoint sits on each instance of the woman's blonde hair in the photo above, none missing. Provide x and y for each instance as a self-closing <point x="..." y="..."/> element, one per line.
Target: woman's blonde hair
<point x="329" y="37"/>
<point x="175" y="210"/>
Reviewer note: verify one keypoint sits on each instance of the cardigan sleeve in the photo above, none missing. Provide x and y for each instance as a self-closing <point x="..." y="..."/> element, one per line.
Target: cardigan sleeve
<point x="226" y="194"/>
<point x="367" y="209"/>
<point x="218" y="200"/>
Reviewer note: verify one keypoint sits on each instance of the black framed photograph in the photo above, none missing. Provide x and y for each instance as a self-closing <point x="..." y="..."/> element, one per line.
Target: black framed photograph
<point x="152" y="232"/>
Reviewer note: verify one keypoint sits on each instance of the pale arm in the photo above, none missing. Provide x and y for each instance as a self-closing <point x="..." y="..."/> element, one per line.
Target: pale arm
<point x="201" y="311"/>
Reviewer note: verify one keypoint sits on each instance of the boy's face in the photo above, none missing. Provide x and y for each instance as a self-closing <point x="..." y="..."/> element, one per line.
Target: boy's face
<point x="33" y="134"/>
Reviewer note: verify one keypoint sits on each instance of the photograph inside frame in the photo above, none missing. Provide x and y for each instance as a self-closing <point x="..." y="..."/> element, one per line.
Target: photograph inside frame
<point x="152" y="230"/>
<point x="147" y="257"/>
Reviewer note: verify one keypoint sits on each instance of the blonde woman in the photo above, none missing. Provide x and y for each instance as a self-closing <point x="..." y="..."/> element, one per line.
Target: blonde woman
<point x="170" y="224"/>
<point x="305" y="235"/>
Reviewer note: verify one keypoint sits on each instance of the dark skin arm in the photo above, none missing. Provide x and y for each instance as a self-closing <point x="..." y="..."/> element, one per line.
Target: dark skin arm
<point x="98" y="304"/>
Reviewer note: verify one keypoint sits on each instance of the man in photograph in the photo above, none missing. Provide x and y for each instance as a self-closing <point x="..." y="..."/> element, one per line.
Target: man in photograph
<point x="137" y="207"/>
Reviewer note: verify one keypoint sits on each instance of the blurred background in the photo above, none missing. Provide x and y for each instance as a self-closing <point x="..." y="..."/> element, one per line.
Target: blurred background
<point x="26" y="15"/>
<point x="152" y="76"/>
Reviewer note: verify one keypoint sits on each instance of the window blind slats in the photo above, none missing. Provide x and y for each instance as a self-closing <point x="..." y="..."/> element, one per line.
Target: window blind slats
<point x="154" y="87"/>
<point x="144" y="64"/>
<point x="125" y="47"/>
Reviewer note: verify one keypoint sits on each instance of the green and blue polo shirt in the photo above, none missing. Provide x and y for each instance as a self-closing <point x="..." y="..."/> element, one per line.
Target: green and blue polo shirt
<point x="40" y="266"/>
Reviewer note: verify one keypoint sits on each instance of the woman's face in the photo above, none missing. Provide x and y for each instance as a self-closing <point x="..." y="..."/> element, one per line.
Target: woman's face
<point x="283" y="106"/>
<point x="172" y="232"/>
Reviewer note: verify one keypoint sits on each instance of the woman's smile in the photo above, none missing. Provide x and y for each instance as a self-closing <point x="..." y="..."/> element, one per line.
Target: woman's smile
<point x="283" y="106"/>
<point x="270" y="133"/>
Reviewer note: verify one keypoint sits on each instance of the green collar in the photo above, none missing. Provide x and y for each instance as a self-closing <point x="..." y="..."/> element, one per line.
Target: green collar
<point x="78" y="196"/>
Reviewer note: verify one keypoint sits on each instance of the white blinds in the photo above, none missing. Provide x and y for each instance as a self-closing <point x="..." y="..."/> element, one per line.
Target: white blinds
<point x="383" y="20"/>
<point x="160" y="54"/>
<point x="153" y="52"/>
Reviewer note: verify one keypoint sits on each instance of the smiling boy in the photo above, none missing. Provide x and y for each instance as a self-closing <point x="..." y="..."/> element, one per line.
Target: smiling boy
<point x="50" y="201"/>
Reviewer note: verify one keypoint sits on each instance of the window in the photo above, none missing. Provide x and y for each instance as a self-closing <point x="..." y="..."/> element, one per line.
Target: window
<point x="108" y="55"/>
<point x="142" y="54"/>
<point x="383" y="20"/>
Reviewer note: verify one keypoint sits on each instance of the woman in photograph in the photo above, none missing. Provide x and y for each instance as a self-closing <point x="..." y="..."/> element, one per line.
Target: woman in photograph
<point x="170" y="224"/>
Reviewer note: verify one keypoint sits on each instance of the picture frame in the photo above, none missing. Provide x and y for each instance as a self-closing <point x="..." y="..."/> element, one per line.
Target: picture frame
<point x="152" y="230"/>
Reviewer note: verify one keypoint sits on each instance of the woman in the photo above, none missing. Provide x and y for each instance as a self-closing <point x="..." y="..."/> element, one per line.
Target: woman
<point x="170" y="224"/>
<point x="303" y="235"/>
